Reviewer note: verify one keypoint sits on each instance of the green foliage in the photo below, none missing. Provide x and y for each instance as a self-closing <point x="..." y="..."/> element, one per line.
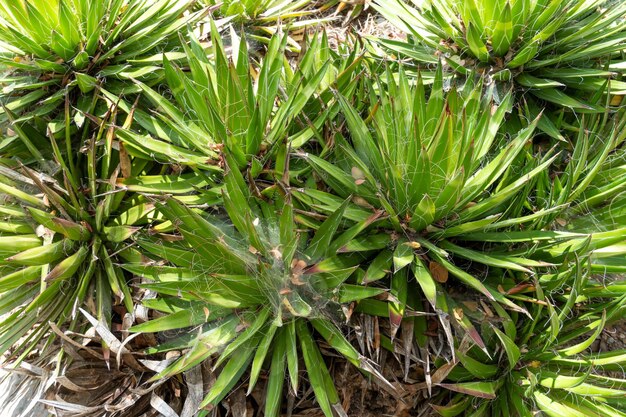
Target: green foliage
<point x="62" y="163"/>
<point x="444" y="189"/>
<point x="252" y="288"/>
<point x="58" y="49"/>
<point x="70" y="241"/>
<point x="563" y="52"/>
<point x="225" y="105"/>
<point x="544" y="365"/>
<point x="264" y="18"/>
<point x="263" y="204"/>
<point x="262" y="11"/>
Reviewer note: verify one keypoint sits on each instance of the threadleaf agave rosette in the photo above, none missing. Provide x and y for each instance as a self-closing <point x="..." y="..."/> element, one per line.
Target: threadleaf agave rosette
<point x="52" y="49"/>
<point x="564" y="52"/>
<point x="264" y="18"/>
<point x="442" y="176"/>
<point x="252" y="285"/>
<point x="75" y="226"/>
<point x="542" y="365"/>
<point x="270" y="202"/>
<point x="61" y="158"/>
<point x="226" y="103"/>
<point x="60" y="249"/>
<point x="585" y="192"/>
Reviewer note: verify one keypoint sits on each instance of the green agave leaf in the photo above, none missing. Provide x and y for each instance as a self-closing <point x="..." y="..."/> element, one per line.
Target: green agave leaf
<point x="202" y="346"/>
<point x="231" y="372"/>
<point x="179" y="320"/>
<point x="560" y="98"/>
<point x="365" y="243"/>
<point x="492" y="260"/>
<point x="317" y="371"/>
<point x="554" y="408"/>
<point x="503" y="31"/>
<point x="373" y="308"/>
<point x="528" y="80"/>
<point x="43" y="254"/>
<point x="329" y="203"/>
<point x="464" y="277"/>
<point x="591" y="390"/>
<point x="402" y="256"/>
<point x="475" y="43"/>
<point x="174" y="184"/>
<point x="259" y="322"/>
<point x="553" y="380"/>
<point x="365" y="145"/>
<point x="274" y="391"/>
<point x="11" y="244"/>
<point x="380" y="267"/>
<point x="118" y="234"/>
<point x="486" y="389"/>
<point x="476" y="368"/>
<point x="71" y="230"/>
<point x="452" y="409"/>
<point x="292" y="354"/>
<point x="397" y="307"/>
<point x="19" y="278"/>
<point x="320" y="244"/>
<point x="21" y="195"/>
<point x="68" y="267"/>
<point x="335" y="338"/>
<point x="512" y="351"/>
<point x="341" y="182"/>
<point x="608" y="360"/>
<point x="424" y="213"/>
<point x="350" y="292"/>
<point x="346" y="241"/>
<point x="425" y="281"/>
<point x="261" y="353"/>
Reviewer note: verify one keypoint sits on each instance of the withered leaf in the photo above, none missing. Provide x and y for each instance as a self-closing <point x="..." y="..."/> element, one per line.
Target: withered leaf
<point x="438" y="271"/>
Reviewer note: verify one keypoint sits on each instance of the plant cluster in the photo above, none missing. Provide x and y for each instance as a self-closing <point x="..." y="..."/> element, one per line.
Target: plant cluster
<point x="567" y="53"/>
<point x="161" y="179"/>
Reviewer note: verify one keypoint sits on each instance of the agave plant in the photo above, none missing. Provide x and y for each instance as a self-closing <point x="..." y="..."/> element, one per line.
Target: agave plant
<point x="250" y="288"/>
<point x="564" y="52"/>
<point x="589" y="171"/>
<point x="260" y="202"/>
<point x="267" y="17"/>
<point x="61" y="237"/>
<point x="224" y="105"/>
<point x="588" y="187"/>
<point x="541" y="366"/>
<point x="57" y="55"/>
<point x="449" y="189"/>
<point x="546" y="365"/>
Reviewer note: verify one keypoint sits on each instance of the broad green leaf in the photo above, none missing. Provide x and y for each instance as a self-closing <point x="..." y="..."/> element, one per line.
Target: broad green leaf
<point x="503" y="31"/>
<point x="554" y="408"/>
<point x="475" y="43"/>
<point x="350" y="292"/>
<point x="42" y="254"/>
<point x="476" y="368"/>
<point x="261" y="353"/>
<point x="380" y="266"/>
